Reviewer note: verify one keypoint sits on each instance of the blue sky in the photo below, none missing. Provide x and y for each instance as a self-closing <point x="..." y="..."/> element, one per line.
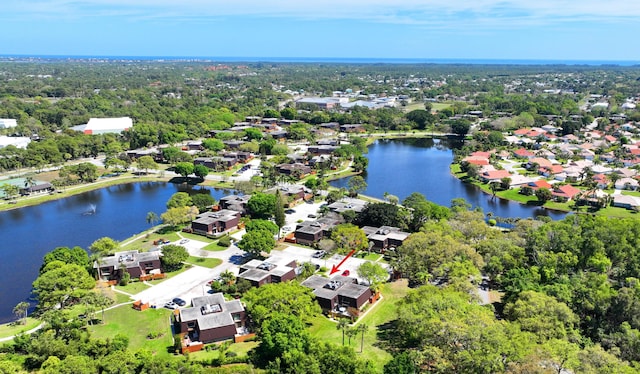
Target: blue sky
<point x="424" y="29"/>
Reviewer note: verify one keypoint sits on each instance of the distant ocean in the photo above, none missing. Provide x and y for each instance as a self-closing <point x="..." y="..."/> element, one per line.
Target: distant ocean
<point x="341" y="60"/>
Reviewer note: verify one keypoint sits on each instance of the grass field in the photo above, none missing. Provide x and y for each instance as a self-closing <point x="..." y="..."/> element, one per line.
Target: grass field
<point x="204" y="262"/>
<point x="435" y="106"/>
<point x="137" y="326"/>
<point x="15" y="328"/>
<point x="133" y="287"/>
<point x="383" y="312"/>
<point x="214" y="247"/>
<point x="144" y="242"/>
<point x="241" y="349"/>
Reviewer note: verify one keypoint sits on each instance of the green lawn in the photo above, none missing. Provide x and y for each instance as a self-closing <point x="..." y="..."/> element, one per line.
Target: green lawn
<point x="145" y="243"/>
<point x="136" y="326"/>
<point x="170" y="274"/>
<point x="382" y="313"/>
<point x="420" y="105"/>
<point x="515" y="195"/>
<point x="13" y="328"/>
<point x="199" y="238"/>
<point x="205" y="262"/>
<point x="214" y="247"/>
<point x="631" y="193"/>
<point x="133" y="287"/>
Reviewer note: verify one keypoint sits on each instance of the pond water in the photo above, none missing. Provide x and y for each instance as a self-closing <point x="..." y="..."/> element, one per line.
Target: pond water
<point x="403" y="166"/>
<point x="27" y="234"/>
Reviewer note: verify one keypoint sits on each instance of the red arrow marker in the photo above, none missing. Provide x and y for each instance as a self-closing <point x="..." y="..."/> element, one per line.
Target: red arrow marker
<point x="335" y="269"/>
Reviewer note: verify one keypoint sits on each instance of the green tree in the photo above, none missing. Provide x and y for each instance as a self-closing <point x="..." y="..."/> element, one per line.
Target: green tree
<point x="75" y="255"/>
<point x="257" y="242"/>
<point x="261" y="224"/>
<point x="203" y="201"/>
<point x="152" y="218"/>
<point x="145" y="163"/>
<point x="349" y="237"/>
<point x="356" y="185"/>
<point x="261" y="205"/>
<point x="173" y="256"/>
<point x="179" y="199"/>
<point x="179" y="216"/>
<point x="200" y="171"/>
<point x="213" y="144"/>
<point x="62" y="284"/>
<point x="184" y="169"/>
<point x="9" y="190"/>
<point x="343" y="325"/>
<point x="373" y="273"/>
<point x="104" y="246"/>
<point x="362" y="328"/>
<point x="288" y="298"/>
<point x="21" y="310"/>
<point x="278" y="213"/>
<point x="543" y="195"/>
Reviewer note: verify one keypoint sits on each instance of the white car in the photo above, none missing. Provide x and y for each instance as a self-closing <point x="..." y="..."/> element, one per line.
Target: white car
<point x="184" y="241"/>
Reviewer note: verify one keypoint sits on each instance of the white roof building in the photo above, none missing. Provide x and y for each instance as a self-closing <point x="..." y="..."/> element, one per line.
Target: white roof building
<point x="105" y="125"/>
<point x="16" y="141"/>
<point x="6" y="123"/>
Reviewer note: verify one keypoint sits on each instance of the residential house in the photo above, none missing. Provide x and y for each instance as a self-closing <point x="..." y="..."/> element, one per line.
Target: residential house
<point x="385" y="237"/>
<point x="338" y="293"/>
<point x="352" y="128"/>
<point x="495" y="175"/>
<point x="626" y="184"/>
<point x="211" y="319"/>
<point x="347" y="203"/>
<point x="37" y="188"/>
<point x="272" y="270"/>
<point x="297" y="170"/>
<point x="293" y="193"/>
<point x="133" y="262"/>
<point x="541" y="183"/>
<point x="564" y="193"/>
<point x="194" y="145"/>
<point x="311" y="232"/>
<point x="523" y="153"/>
<point x="237" y="203"/>
<point x="626" y="201"/>
<point x="209" y="223"/>
<point x="105" y="126"/>
<point x="322" y="149"/>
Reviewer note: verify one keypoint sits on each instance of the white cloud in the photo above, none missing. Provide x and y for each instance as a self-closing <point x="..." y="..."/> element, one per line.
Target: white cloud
<point x="434" y="13"/>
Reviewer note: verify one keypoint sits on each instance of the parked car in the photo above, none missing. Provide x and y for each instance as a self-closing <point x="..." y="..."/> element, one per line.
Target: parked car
<point x="319" y="254"/>
<point x="290" y="211"/>
<point x="184" y="241"/>
<point x="312" y="216"/>
<point x="346" y="273"/>
<point x="171" y="305"/>
<point x="179" y="301"/>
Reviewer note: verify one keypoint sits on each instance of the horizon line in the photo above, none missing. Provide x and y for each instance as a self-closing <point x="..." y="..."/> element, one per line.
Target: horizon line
<point x="364" y="60"/>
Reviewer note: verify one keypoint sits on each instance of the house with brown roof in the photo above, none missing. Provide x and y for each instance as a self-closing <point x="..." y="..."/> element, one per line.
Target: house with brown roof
<point x="210" y="223"/>
<point x="339" y="293"/>
<point x="541" y="183"/>
<point x="211" y="319"/>
<point x="271" y="270"/>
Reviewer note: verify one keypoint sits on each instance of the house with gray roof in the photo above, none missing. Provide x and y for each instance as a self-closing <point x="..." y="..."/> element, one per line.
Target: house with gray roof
<point x="338" y="293"/>
<point x="271" y="270"/>
<point x="133" y="262"/>
<point x="210" y="319"/>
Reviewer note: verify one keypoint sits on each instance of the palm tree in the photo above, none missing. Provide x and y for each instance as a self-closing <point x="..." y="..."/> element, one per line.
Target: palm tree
<point x="21" y="310"/>
<point x="152" y="218"/>
<point x="342" y="324"/>
<point x="350" y="334"/>
<point x="362" y="328"/>
<point x="228" y="277"/>
<point x="29" y="182"/>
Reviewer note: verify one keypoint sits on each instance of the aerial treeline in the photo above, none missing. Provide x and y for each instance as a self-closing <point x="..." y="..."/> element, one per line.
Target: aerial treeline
<point x="571" y="295"/>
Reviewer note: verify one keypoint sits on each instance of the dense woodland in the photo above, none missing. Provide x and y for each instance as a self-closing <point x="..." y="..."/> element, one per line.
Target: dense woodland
<point x="571" y="288"/>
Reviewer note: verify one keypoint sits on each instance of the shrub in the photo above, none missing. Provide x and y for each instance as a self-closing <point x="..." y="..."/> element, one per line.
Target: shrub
<point x="225" y="241"/>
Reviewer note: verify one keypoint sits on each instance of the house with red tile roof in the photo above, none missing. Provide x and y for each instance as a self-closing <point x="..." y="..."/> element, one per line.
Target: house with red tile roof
<point x="521" y="132"/>
<point x="565" y="192"/>
<point x="548" y="171"/>
<point x="494" y="175"/>
<point x="474" y="160"/>
<point x="481" y="154"/>
<point x="541" y="183"/>
<point x="523" y="153"/>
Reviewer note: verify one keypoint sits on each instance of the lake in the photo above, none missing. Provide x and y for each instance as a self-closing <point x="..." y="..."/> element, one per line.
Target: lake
<point x="403" y="166"/>
<point x="398" y="167"/>
<point x="27" y="234"/>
